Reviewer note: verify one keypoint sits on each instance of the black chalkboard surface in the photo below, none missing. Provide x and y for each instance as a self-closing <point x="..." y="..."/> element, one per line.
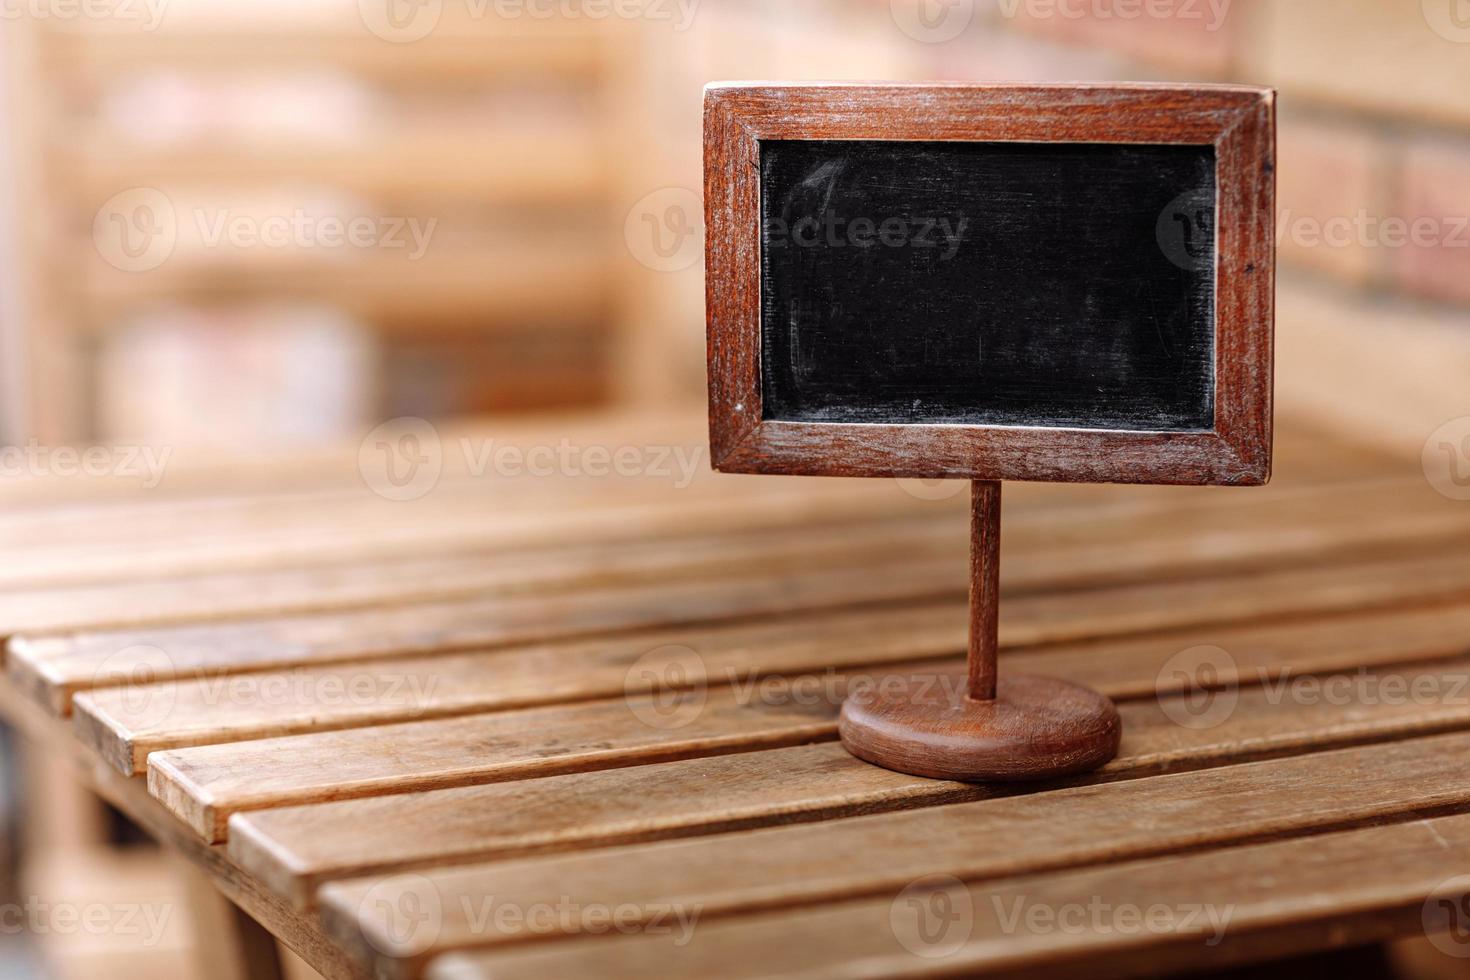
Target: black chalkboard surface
<point x="1000" y="283"/>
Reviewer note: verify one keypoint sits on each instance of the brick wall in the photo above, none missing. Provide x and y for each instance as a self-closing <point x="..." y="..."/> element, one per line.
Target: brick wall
<point x="1374" y="176"/>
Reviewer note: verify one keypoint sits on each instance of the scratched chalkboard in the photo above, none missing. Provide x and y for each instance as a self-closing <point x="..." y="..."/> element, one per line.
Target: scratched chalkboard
<point x="1035" y="284"/>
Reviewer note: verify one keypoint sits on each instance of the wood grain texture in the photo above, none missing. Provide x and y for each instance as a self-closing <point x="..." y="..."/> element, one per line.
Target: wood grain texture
<point x="511" y="571"/>
<point x="984" y="637"/>
<point x="1223" y="908"/>
<point x="1035" y="728"/>
<point x="336" y="529"/>
<point x="297" y="848"/>
<point x="203" y="786"/>
<point x="212" y="701"/>
<point x="203" y="491"/>
<point x="988" y="839"/>
<point x="55" y="667"/>
<point x="1240" y="124"/>
<point x="1055" y="538"/>
<point x="125" y="724"/>
<point x="351" y="577"/>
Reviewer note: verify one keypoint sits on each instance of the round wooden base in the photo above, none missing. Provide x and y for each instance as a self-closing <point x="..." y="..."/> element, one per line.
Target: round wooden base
<point x="1036" y="728"/>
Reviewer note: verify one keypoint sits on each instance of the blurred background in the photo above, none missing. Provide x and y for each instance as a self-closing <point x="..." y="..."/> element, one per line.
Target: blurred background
<point x="248" y="225"/>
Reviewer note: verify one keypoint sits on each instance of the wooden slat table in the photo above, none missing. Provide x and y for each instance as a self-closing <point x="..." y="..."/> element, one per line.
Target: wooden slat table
<point x="566" y="725"/>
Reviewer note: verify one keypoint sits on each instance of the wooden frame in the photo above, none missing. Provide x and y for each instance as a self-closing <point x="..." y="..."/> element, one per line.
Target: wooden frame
<point x="1240" y="122"/>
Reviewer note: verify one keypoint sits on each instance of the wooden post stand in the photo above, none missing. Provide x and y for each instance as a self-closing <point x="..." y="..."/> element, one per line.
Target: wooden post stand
<point x="971" y="724"/>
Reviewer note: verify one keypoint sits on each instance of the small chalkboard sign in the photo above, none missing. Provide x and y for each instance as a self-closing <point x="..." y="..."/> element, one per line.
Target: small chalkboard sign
<point x="990" y="282"/>
<point x="1065" y="283"/>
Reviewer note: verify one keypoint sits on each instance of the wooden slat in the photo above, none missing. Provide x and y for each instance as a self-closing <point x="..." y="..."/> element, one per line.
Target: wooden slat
<point x="1217" y="909"/>
<point x="126" y="724"/>
<point x="292" y="494"/>
<point x="209" y="710"/>
<point x="1249" y="596"/>
<point x="295" y="849"/>
<point x="204" y="790"/>
<point x="206" y="598"/>
<point x="490" y="510"/>
<point x="198" y="476"/>
<point x="1309" y="447"/>
<point x="234" y="504"/>
<point x="153" y="514"/>
<point x="469" y="515"/>
<point x="205" y="478"/>
<point x="56" y="667"/>
<point x="98" y="528"/>
<point x="63" y="665"/>
<point x="1043" y="549"/>
<point x="159" y="535"/>
<point x="881" y="854"/>
<point x="203" y="786"/>
<point x="335" y="529"/>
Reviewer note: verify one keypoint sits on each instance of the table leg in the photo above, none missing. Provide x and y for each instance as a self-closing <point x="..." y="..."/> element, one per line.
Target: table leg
<point x="229" y="944"/>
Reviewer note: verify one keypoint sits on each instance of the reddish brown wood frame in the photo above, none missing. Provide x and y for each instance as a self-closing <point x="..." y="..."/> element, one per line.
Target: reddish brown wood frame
<point x="1239" y="121"/>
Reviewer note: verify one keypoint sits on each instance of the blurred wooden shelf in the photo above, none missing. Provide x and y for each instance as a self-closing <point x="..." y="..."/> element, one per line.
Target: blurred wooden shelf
<point x="480" y="289"/>
<point x="492" y="168"/>
<point x="549" y="53"/>
<point x="505" y="125"/>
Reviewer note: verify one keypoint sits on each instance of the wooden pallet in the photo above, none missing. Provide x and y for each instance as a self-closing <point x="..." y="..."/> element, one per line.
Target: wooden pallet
<point x="566" y="726"/>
